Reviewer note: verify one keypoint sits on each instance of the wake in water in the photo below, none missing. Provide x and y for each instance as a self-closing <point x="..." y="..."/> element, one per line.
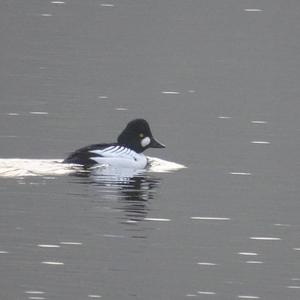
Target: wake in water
<point x="17" y="167"/>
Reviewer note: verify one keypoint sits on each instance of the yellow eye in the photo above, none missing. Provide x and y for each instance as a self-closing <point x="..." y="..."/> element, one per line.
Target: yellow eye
<point x="141" y="135"/>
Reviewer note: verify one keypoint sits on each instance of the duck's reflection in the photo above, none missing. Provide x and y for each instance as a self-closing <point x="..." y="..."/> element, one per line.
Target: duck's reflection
<point x="132" y="190"/>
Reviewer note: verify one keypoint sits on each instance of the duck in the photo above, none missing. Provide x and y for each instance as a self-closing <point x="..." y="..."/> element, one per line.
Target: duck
<point x="127" y="152"/>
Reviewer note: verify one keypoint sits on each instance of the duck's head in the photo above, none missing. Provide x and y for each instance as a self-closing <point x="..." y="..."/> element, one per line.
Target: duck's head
<point x="138" y="137"/>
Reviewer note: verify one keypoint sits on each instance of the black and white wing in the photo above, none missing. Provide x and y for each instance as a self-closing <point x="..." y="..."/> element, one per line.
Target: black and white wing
<point x="83" y="155"/>
<point x="107" y="154"/>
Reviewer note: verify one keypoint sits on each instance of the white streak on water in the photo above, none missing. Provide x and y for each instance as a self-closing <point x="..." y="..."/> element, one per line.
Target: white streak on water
<point x="241" y="173"/>
<point x="8" y="136"/>
<point x="94" y="296"/>
<point x="206" y="293"/>
<point x="163" y="166"/>
<point x="170" y="92"/>
<point x="224" y="117"/>
<point x="114" y="236"/>
<point x="260" y="142"/>
<point x="259" y="122"/>
<point x="248" y="297"/>
<point x="19" y="168"/>
<point x="265" y="238"/>
<point x="248" y="253"/>
<point x="54" y="263"/>
<point x="58" y="2"/>
<point x="48" y="246"/>
<point x="71" y="243"/>
<point x="206" y="264"/>
<point x="36" y="298"/>
<point x="3" y="252"/>
<point x="282" y="225"/>
<point x="210" y="218"/>
<point x="35" y="292"/>
<point x="253" y="9"/>
<point x="107" y="5"/>
<point x="191" y="295"/>
<point x="296" y="249"/>
<point x="157" y="219"/>
<point x="13" y="114"/>
<point x="131" y="221"/>
<point x="103" y="97"/>
<point x="293" y="287"/>
<point x="46" y="15"/>
<point x="254" y="262"/>
<point x="38" y="113"/>
<point x="121" y="108"/>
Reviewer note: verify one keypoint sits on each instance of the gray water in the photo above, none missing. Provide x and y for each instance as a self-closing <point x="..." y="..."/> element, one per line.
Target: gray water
<point x="219" y="85"/>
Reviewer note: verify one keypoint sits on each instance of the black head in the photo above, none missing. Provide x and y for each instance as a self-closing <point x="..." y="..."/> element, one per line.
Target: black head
<point x="138" y="137"/>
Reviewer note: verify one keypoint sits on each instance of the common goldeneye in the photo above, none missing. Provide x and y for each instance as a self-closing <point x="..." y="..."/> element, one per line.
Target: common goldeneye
<point x="126" y="153"/>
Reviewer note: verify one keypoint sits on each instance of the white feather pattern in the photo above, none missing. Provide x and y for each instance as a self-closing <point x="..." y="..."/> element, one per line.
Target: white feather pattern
<point x="119" y="156"/>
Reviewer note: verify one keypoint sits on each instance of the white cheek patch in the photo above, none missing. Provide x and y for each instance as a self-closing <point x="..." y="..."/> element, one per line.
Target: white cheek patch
<point x="145" y="142"/>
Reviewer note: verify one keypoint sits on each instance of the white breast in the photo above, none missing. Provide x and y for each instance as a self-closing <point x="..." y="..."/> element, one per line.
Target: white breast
<point x="119" y="157"/>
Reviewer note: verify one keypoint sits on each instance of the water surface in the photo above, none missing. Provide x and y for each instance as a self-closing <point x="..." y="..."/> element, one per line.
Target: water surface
<point x="218" y="82"/>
